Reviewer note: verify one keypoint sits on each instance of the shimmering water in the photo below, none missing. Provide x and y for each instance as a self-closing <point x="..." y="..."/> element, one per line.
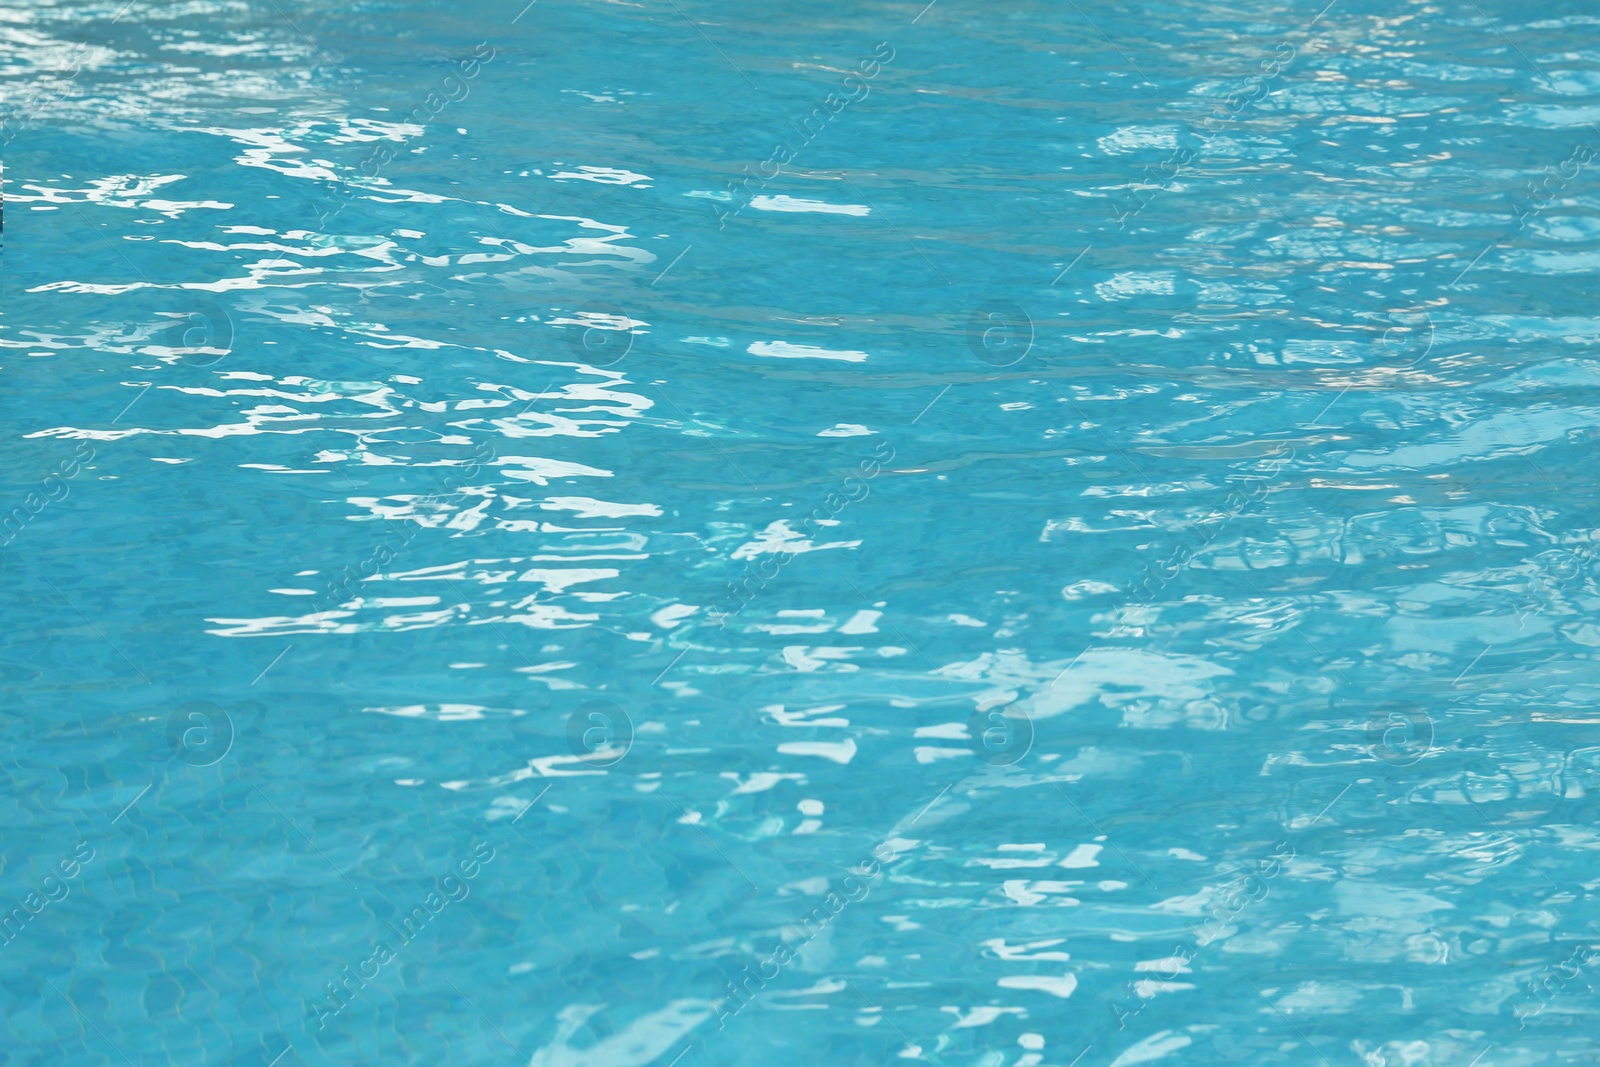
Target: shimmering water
<point x="681" y="532"/>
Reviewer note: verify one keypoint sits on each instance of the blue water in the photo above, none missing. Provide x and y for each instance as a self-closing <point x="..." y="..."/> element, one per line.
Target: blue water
<point x="698" y="533"/>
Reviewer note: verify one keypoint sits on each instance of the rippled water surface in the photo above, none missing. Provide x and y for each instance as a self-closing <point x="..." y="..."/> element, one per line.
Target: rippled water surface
<point x="600" y="534"/>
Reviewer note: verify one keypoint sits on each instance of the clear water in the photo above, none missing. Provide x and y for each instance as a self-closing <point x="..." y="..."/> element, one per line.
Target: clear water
<point x="1088" y="556"/>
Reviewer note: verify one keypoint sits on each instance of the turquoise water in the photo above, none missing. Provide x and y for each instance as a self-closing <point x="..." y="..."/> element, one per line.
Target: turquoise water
<point x="680" y="532"/>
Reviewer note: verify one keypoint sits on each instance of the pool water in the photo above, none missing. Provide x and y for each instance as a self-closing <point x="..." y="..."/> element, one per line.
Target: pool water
<point x="606" y="534"/>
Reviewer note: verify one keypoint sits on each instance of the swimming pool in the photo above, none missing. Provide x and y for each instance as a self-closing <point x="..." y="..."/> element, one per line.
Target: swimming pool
<point x="600" y="533"/>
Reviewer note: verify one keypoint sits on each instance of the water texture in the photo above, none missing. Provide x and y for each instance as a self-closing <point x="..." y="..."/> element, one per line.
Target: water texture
<point x="599" y="534"/>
